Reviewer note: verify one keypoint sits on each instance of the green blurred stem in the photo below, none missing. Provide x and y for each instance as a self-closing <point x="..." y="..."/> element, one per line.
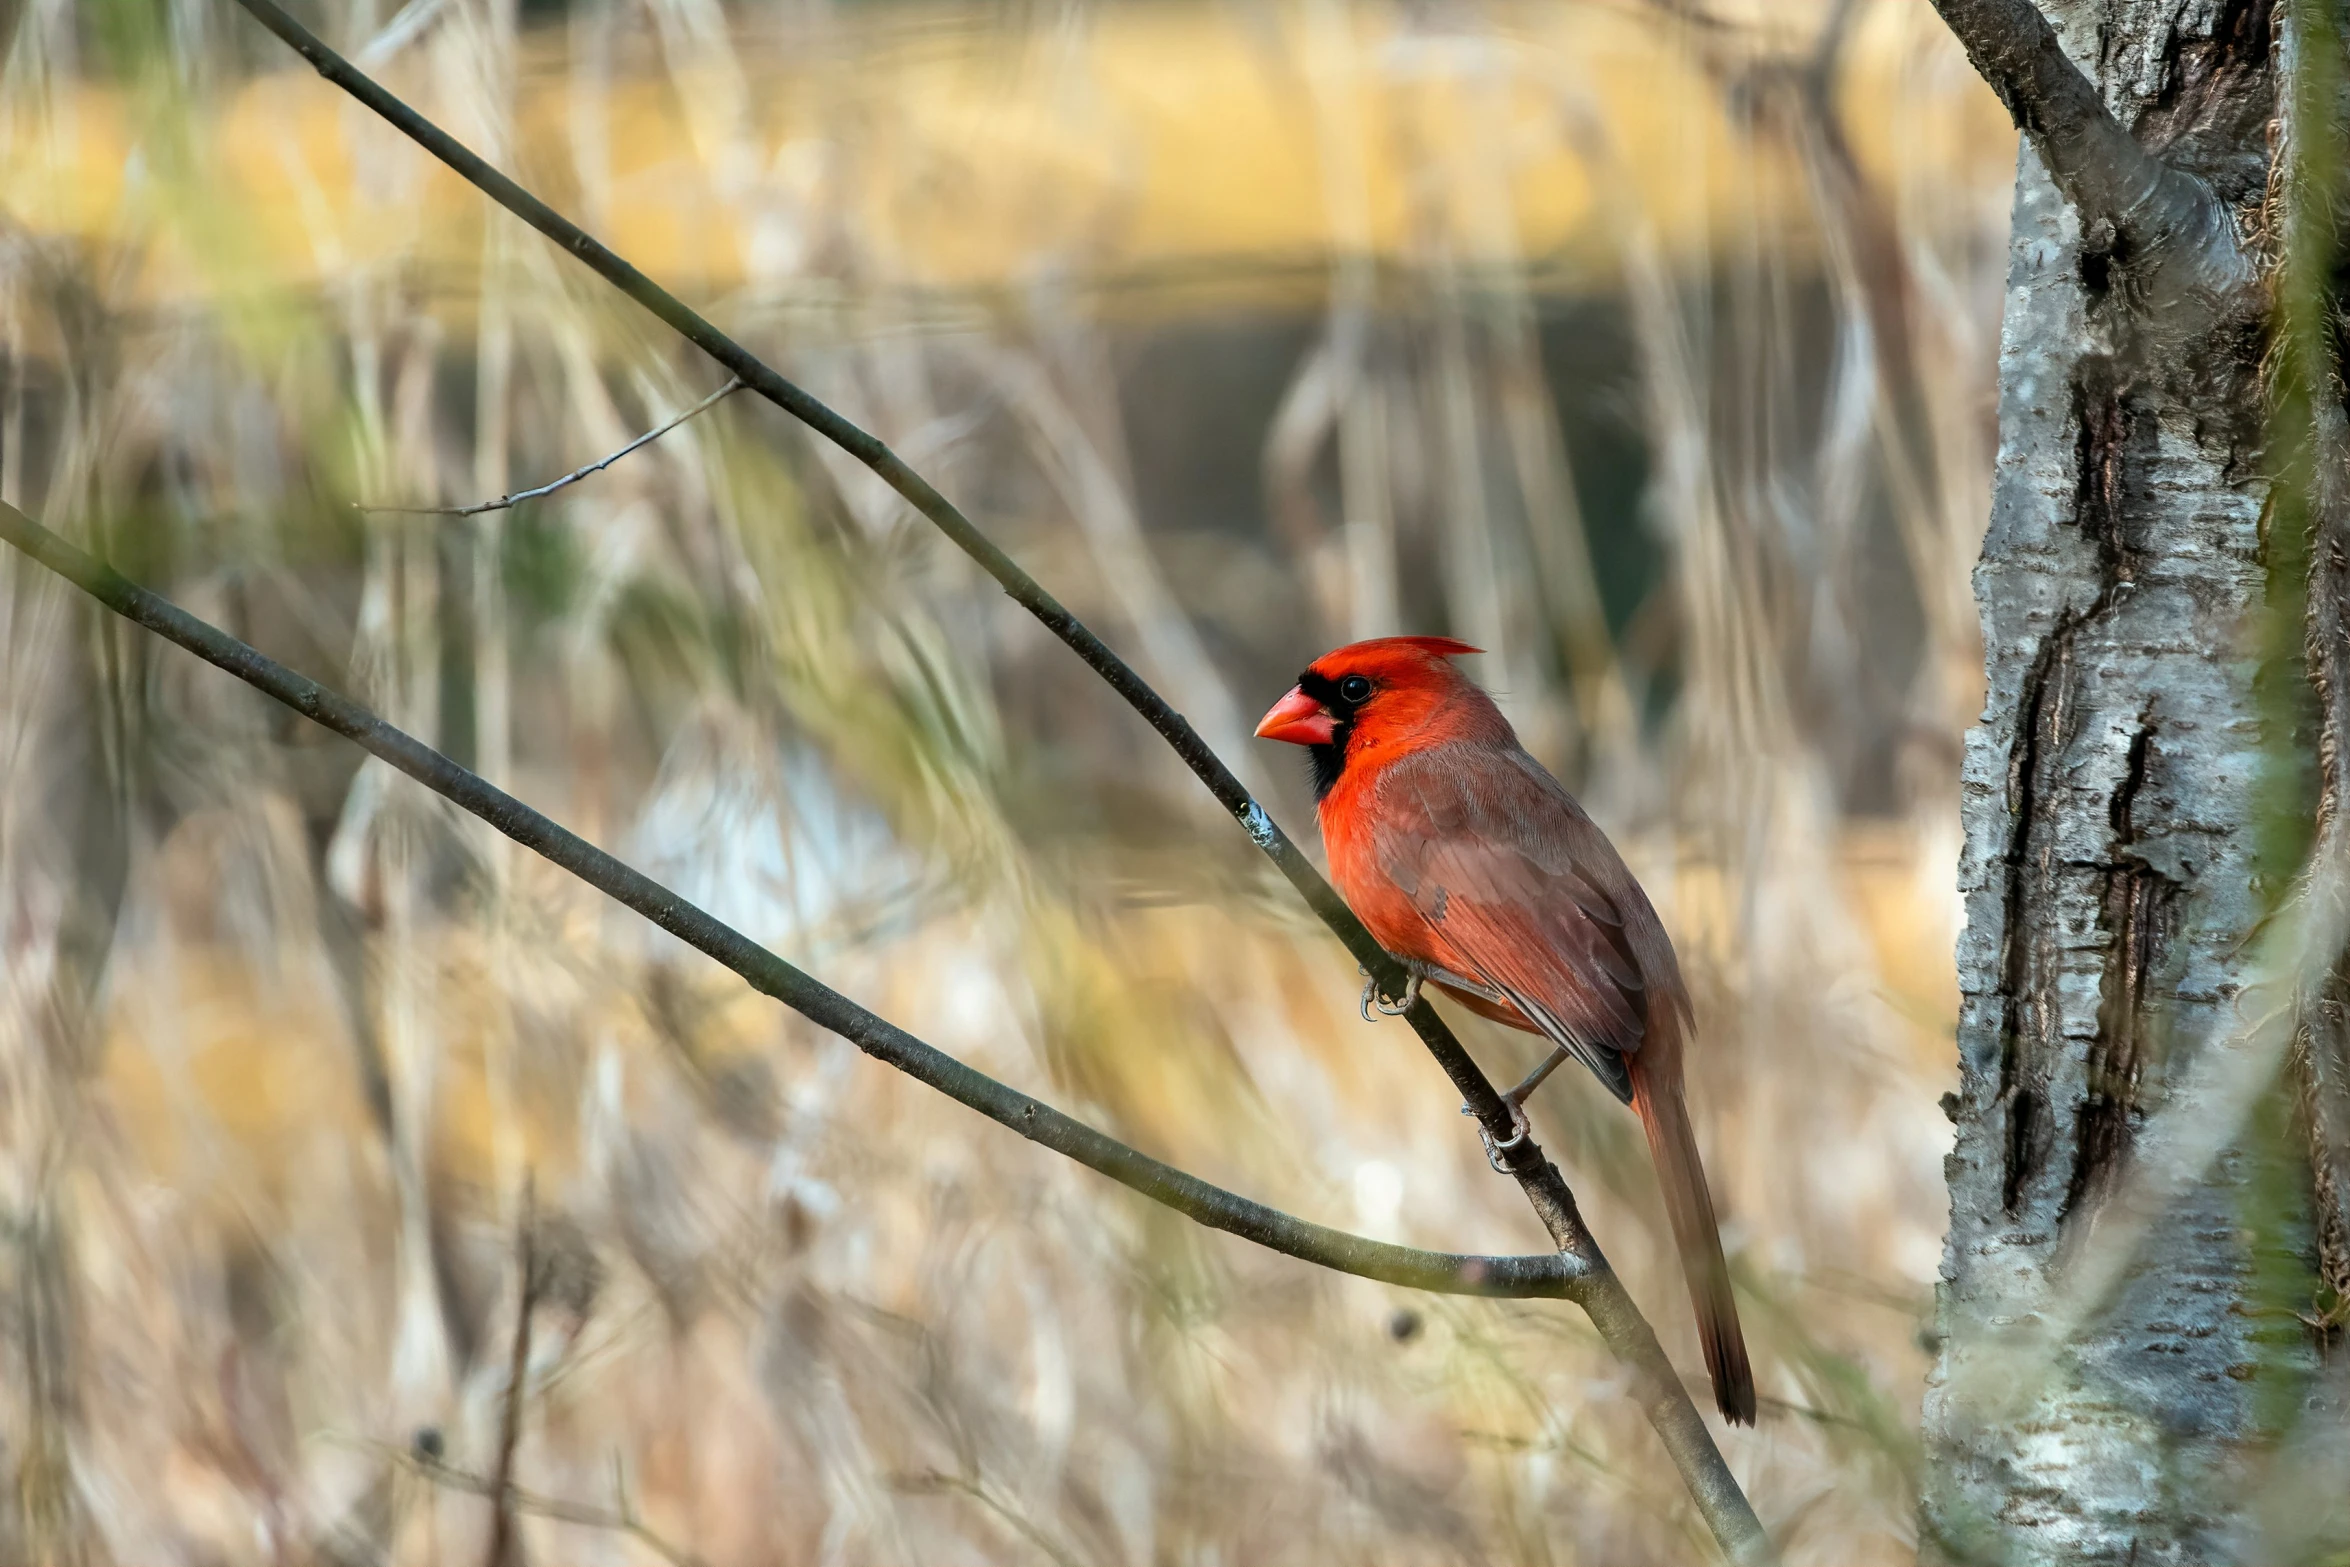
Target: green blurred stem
<point x="2305" y="656"/>
<point x="1600" y="1292"/>
<point x="1557" y="1275"/>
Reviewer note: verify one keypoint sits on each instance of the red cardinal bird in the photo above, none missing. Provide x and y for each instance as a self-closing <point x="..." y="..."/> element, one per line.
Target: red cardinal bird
<point x="1483" y="876"/>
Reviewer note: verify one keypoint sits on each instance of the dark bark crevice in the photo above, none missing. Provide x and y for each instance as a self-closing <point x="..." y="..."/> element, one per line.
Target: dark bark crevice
<point x="2141" y="907"/>
<point x="2211" y="113"/>
<point x="2042" y="733"/>
<point x="2031" y="1138"/>
<point x="2114" y="434"/>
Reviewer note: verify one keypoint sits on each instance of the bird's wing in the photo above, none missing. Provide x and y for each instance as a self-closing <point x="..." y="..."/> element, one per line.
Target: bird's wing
<point x="1513" y="878"/>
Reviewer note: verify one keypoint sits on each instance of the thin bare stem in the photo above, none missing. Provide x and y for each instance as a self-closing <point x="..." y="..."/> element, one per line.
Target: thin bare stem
<point x="733" y="385"/>
<point x="937" y="1482"/>
<point x="1526" y="1161"/>
<point x="502" y="1549"/>
<point x="515" y="1498"/>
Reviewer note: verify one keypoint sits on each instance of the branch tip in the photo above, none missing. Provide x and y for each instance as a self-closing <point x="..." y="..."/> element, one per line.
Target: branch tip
<point x="734" y="384"/>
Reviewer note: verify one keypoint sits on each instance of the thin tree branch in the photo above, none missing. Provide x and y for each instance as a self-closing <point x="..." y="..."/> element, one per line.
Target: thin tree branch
<point x="1627" y="1333"/>
<point x="510" y="1496"/>
<point x="2159" y="218"/>
<point x="733" y="385"/>
<point x="1557" y="1275"/>
<point x="503" y="1551"/>
<point x="938" y="1482"/>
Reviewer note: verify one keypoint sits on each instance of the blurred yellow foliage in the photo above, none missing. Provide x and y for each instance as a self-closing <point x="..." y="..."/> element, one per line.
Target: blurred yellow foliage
<point x="1148" y="140"/>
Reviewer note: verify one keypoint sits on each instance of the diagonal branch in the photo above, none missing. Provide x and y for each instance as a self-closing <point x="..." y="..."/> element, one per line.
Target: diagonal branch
<point x="1558" y="1275"/>
<point x="2160" y="217"/>
<point x="733" y="385"/>
<point x="1602" y="1295"/>
<point x="1483" y="1100"/>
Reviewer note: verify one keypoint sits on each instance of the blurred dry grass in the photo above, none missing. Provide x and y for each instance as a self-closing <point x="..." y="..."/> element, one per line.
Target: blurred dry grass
<point x="1605" y="337"/>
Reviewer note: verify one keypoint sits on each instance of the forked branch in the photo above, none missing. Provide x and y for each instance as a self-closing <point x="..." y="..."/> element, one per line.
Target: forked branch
<point x="1588" y="1278"/>
<point x="2155" y="217"/>
<point x="1566" y="1274"/>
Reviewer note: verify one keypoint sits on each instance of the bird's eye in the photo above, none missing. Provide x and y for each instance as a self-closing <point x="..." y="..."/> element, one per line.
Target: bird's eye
<point x="1354" y="688"/>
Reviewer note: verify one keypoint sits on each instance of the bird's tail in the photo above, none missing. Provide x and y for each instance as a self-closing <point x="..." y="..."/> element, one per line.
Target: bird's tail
<point x="1656" y="1095"/>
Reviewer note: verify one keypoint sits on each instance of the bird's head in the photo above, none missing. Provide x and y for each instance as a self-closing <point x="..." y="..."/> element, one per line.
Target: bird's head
<point x="1389" y="696"/>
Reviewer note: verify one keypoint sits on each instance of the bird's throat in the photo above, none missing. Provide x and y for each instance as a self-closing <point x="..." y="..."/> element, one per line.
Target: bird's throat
<point x="1329" y="761"/>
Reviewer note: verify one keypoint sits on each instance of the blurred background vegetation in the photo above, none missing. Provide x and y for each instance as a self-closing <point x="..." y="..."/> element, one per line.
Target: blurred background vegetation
<point x="1648" y="347"/>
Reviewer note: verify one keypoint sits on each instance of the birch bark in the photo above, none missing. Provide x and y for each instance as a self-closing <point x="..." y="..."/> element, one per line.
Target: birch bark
<point x="2109" y="865"/>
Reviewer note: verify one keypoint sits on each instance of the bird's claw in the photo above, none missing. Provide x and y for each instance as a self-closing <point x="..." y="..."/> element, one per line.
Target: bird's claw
<point x="1373" y="998"/>
<point x="1521" y="1129"/>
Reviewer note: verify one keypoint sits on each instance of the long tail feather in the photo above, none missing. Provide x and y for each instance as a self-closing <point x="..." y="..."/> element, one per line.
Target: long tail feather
<point x="1656" y="1095"/>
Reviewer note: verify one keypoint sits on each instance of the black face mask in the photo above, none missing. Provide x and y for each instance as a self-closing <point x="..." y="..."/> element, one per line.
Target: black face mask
<point x="1341" y="698"/>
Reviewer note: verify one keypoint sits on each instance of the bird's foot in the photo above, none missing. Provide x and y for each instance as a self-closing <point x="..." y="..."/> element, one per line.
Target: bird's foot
<point x="1372" y="997"/>
<point x="1520" y="1130"/>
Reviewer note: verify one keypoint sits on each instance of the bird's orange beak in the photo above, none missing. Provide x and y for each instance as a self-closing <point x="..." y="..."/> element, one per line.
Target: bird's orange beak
<point x="1298" y="719"/>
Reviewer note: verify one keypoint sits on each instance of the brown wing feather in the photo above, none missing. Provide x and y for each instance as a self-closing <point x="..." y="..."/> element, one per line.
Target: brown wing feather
<point x="1517" y="890"/>
<point x="1530" y="896"/>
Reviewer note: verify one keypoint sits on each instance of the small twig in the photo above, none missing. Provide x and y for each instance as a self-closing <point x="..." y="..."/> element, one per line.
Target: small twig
<point x="517" y="1375"/>
<point x="937" y="1482"/>
<point x="734" y="384"/>
<point x="553" y="1507"/>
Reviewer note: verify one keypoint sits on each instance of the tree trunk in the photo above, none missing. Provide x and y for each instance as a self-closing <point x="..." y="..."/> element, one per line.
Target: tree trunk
<point x="2109" y="871"/>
